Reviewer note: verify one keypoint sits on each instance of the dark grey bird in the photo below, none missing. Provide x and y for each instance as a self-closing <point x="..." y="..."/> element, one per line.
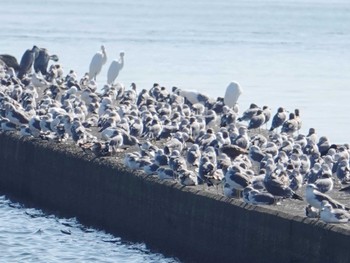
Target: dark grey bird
<point x="249" y="113"/>
<point x="42" y="59"/>
<point x="291" y="125"/>
<point x="6" y="125"/>
<point x="27" y="61"/>
<point x="166" y="173"/>
<point x="160" y="158"/>
<point x="242" y="140"/>
<point x="150" y="169"/>
<point x="255" y="153"/>
<point x="257" y="120"/>
<point x="237" y="178"/>
<point x="10" y="61"/>
<point x="232" y="151"/>
<point x="206" y="169"/>
<point x="323" y="145"/>
<point x="278" y="188"/>
<point x="278" y="119"/>
<point x="193" y="155"/>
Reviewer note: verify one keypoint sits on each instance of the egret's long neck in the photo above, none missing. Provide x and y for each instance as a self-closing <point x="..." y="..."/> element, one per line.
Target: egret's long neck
<point x="121" y="60"/>
<point x="104" y="56"/>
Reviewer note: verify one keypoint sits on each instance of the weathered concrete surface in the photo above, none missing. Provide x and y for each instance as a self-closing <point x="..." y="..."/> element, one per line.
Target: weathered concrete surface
<point x="191" y="224"/>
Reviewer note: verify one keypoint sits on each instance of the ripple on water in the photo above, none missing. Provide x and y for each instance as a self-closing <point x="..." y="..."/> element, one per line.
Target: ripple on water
<point x="29" y="235"/>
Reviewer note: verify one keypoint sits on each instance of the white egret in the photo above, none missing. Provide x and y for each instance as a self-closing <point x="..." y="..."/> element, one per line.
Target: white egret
<point x="114" y="69"/>
<point x="98" y="60"/>
<point x="233" y="91"/>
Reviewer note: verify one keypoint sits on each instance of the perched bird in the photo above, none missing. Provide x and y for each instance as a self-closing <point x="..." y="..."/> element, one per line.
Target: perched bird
<point x="232" y="151"/>
<point x="10" y="61"/>
<point x="41" y="61"/>
<point x="255" y="197"/>
<point x="278" y="188"/>
<point x="98" y="60"/>
<point x="249" y="113"/>
<point x="114" y="69"/>
<point x="297" y="117"/>
<point x="187" y="177"/>
<point x="233" y="91"/>
<point x="236" y="178"/>
<point x="329" y="214"/>
<point x="27" y="61"/>
<point x="315" y="198"/>
<point x="325" y="183"/>
<point x="267" y="114"/>
<point x="323" y="145"/>
<point x="165" y="173"/>
<point x="193" y="155"/>
<point x="290" y="126"/>
<point x="257" y="120"/>
<point x="278" y="119"/>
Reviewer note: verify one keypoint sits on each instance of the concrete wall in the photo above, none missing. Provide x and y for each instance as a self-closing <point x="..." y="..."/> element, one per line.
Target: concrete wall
<point x="182" y="221"/>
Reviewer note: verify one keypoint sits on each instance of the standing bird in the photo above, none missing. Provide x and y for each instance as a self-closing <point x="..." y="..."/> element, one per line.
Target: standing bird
<point x="98" y="60"/>
<point x="42" y="61"/>
<point x="114" y="69"/>
<point x="257" y="120"/>
<point x="297" y="117"/>
<point x="290" y="126"/>
<point x="233" y="91"/>
<point x="27" y="61"/>
<point x="279" y="118"/>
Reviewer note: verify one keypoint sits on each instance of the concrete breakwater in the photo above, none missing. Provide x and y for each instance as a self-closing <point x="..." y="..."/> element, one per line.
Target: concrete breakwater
<point x="195" y="225"/>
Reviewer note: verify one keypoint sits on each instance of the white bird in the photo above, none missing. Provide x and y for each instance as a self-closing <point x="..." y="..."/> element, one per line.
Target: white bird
<point x="329" y="214"/>
<point x="114" y="69"/>
<point x="98" y="60"/>
<point x="233" y="91"/>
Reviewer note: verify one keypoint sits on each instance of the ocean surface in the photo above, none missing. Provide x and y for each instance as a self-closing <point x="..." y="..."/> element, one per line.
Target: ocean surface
<point x="291" y="53"/>
<point x="30" y="235"/>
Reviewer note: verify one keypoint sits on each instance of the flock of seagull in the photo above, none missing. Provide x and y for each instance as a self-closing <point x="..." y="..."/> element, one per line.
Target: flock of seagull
<point x="176" y="134"/>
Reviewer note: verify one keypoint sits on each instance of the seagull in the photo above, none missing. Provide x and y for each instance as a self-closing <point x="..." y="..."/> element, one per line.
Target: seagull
<point x="290" y="126"/>
<point x="98" y="60"/>
<point x="278" y="119"/>
<point x="277" y="188"/>
<point x="315" y="198"/>
<point x="249" y="113"/>
<point x="237" y="178"/>
<point x="255" y="197"/>
<point x="165" y="173"/>
<point x="187" y="177"/>
<point x="114" y="69"/>
<point x="329" y="214"/>
<point x="297" y="117"/>
<point x="257" y="120"/>
<point x="193" y="155"/>
<point x="325" y="183"/>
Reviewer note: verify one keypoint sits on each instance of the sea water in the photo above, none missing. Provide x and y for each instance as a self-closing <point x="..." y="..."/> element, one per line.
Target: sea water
<point x="31" y="235"/>
<point x="290" y="53"/>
